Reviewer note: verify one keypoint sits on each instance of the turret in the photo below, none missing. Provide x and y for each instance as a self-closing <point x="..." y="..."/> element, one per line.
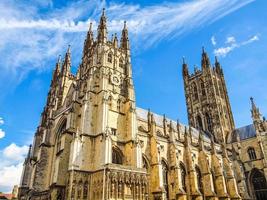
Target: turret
<point x="56" y="72"/>
<point x="65" y="71"/>
<point x="218" y="67"/>
<point x="255" y="112"/>
<point x="102" y="28"/>
<point x="124" y="38"/>
<point x="185" y="69"/>
<point x="115" y="41"/>
<point x="89" y="40"/>
<point x="205" y="61"/>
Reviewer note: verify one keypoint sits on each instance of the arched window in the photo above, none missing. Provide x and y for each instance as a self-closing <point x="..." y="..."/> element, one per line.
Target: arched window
<point x="252" y="153"/>
<point x="85" y="190"/>
<point x="116" y="156"/>
<point x="199" y="124"/>
<point x="61" y="129"/>
<point x="110" y="57"/>
<point x="203" y="91"/>
<point x="259" y="184"/>
<point x="209" y="122"/>
<point x="121" y="63"/>
<point x="195" y="93"/>
<point x="183" y="176"/>
<point x="199" y="180"/>
<point x="165" y="177"/>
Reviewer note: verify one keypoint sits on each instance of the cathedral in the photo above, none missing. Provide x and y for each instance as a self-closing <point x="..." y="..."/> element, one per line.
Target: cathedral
<point x="93" y="143"/>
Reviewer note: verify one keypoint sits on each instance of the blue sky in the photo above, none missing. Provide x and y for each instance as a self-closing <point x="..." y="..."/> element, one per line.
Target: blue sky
<point x="34" y="32"/>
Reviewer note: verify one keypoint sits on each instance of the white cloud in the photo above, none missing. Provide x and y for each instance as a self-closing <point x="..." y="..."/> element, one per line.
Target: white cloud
<point x="11" y="165"/>
<point x="2" y="133"/>
<point x="250" y="40"/>
<point x="1" y="121"/>
<point x="10" y="176"/>
<point x="14" y="152"/>
<point x="231" y="41"/>
<point x="213" y="40"/>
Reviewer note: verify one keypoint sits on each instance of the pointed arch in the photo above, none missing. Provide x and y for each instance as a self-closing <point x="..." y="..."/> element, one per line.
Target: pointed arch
<point x="199" y="124"/>
<point x="117" y="156"/>
<point x="145" y="162"/>
<point x="121" y="63"/>
<point x="258" y="184"/>
<point x="61" y="128"/>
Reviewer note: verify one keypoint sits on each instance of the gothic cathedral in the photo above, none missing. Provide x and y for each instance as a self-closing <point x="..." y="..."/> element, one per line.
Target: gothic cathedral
<point x="93" y="143"/>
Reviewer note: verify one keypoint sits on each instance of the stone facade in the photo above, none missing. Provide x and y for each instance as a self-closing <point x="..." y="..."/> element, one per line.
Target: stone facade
<point x="94" y="143"/>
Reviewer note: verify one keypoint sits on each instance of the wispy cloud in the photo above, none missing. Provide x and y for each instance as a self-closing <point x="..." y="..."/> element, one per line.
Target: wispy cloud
<point x="29" y="40"/>
<point x="230" y="40"/>
<point x="232" y="44"/>
<point x="213" y="40"/>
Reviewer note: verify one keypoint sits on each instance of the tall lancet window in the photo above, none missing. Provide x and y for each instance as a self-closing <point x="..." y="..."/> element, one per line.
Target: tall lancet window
<point x="199" y="124"/>
<point x="195" y="92"/>
<point x="209" y="122"/>
<point x="116" y="156"/>
<point x="110" y="57"/>
<point x="252" y="153"/>
<point x="121" y="63"/>
<point x="61" y="129"/>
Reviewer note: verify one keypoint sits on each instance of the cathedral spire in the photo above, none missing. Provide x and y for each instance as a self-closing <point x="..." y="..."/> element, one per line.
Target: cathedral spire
<point x="124" y="38"/>
<point x="255" y="113"/>
<point x="67" y="63"/>
<point x="205" y="61"/>
<point x="102" y="28"/>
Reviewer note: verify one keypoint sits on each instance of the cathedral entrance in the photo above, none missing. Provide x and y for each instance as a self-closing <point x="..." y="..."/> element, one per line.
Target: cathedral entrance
<point x="259" y="184"/>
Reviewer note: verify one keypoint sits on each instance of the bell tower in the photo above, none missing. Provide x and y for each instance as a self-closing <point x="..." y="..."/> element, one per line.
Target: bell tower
<point x="207" y="100"/>
<point x="108" y="112"/>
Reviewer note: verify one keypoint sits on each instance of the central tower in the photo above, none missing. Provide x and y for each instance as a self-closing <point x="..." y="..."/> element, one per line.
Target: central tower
<point x="207" y="99"/>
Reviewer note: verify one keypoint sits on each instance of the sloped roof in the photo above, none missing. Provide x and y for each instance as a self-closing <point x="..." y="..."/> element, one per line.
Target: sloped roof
<point x="246" y="132"/>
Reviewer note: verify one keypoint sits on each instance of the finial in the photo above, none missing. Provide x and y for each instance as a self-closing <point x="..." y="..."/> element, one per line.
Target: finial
<point x="90" y="26"/>
<point x="124" y="26"/>
<point x="103" y="11"/>
<point x="68" y="51"/>
<point x="252" y="100"/>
